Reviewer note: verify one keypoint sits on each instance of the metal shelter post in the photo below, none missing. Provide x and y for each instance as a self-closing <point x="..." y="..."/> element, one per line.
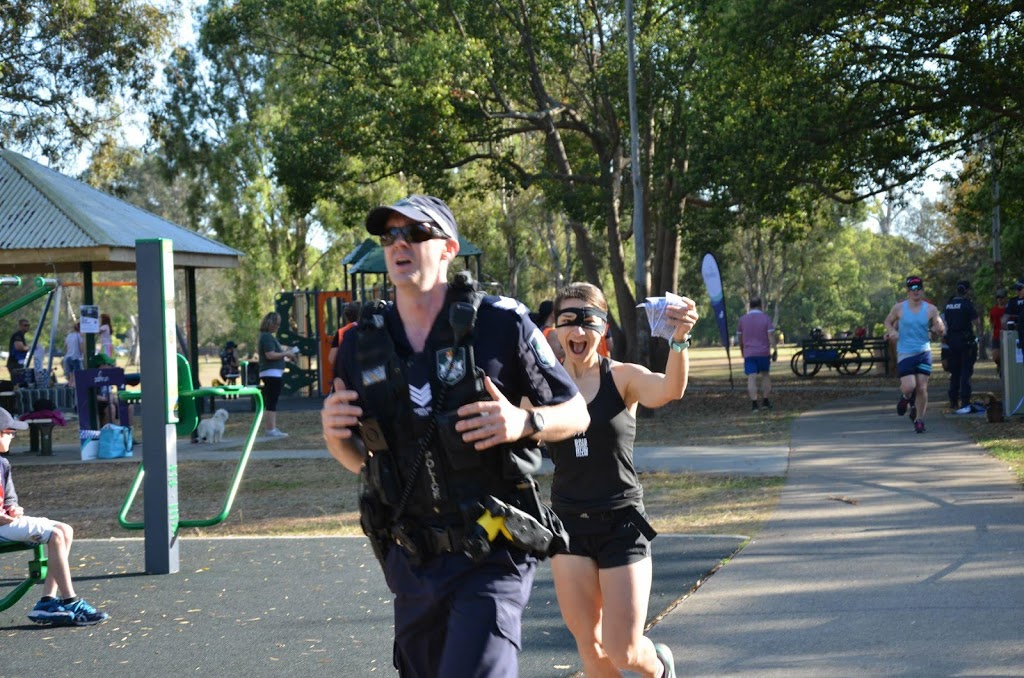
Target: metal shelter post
<point x="155" y="275"/>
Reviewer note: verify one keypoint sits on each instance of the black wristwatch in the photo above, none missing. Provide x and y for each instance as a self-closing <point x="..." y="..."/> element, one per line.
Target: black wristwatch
<point x="536" y="421"/>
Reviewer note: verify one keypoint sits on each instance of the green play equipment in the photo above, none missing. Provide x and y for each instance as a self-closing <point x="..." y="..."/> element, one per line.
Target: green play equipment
<point x="44" y="286"/>
<point x="188" y="420"/>
<point x="36" y="571"/>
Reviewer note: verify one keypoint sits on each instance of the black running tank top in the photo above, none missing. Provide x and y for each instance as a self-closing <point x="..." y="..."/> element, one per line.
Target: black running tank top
<point x="594" y="470"/>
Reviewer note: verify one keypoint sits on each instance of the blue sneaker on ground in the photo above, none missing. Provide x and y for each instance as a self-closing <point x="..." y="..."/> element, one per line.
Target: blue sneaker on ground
<point x="665" y="655"/>
<point x="84" y="614"/>
<point x="50" y="612"/>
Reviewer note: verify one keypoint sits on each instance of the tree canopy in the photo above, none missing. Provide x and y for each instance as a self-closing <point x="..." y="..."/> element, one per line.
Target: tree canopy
<point x="68" y="68"/>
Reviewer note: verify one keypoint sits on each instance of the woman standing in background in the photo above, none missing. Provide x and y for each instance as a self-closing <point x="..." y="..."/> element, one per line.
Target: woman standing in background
<point x="272" y="363"/>
<point x="105" y="336"/>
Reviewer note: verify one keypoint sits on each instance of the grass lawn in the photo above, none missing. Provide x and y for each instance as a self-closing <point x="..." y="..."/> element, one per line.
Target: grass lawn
<point x="316" y="496"/>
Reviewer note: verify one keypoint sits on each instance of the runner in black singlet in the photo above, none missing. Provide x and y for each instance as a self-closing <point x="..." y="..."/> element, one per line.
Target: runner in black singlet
<point x="603" y="582"/>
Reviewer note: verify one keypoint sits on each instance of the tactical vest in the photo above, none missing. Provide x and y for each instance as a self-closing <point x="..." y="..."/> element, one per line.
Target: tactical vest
<point x="441" y="483"/>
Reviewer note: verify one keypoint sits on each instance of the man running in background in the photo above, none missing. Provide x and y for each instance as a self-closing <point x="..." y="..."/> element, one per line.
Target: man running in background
<point x="912" y="323"/>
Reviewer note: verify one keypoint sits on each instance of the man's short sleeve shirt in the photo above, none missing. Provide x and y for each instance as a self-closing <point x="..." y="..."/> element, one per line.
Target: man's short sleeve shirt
<point x="755" y="330"/>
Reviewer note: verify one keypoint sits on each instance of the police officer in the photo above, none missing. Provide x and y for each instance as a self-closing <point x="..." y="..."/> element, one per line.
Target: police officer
<point x="1014" y="308"/>
<point x="426" y="406"/>
<point x="963" y="327"/>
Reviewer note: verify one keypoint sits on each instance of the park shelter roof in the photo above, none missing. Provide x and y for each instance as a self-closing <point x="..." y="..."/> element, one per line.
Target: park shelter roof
<point x="51" y="222"/>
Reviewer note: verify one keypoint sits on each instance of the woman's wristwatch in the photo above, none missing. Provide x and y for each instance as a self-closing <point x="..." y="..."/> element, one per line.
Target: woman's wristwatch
<point x="680" y="346"/>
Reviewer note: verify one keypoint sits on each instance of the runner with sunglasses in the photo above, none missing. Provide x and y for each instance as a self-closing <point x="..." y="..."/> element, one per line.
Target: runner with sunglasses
<point x="430" y="398"/>
<point x="912" y="323"/>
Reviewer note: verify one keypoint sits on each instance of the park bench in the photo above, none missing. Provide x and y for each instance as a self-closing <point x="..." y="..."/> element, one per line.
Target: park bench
<point x="850" y="356"/>
<point x="36" y="571"/>
<point x="188" y="420"/>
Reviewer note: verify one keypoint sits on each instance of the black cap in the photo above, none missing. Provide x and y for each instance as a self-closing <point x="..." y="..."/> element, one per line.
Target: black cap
<point x="1001" y="292"/>
<point x="1019" y="285"/>
<point x="914" y="282"/>
<point x="230" y="344"/>
<point x="418" y="208"/>
<point x="963" y="286"/>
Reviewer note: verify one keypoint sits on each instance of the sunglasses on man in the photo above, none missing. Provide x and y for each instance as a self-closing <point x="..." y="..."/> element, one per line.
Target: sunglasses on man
<point x="412" y="233"/>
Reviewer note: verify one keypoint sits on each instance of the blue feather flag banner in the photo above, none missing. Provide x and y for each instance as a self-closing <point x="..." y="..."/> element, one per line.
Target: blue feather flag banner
<point x="713" y="281"/>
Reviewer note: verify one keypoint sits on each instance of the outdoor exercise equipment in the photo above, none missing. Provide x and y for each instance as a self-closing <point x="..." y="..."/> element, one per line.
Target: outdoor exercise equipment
<point x="36" y="571"/>
<point x="188" y="419"/>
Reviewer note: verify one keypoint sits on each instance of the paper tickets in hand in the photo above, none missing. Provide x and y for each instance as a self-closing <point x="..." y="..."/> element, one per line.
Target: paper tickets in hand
<point x="660" y="325"/>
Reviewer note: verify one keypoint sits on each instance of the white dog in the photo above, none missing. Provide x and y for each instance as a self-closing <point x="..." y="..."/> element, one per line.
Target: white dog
<point x="212" y="430"/>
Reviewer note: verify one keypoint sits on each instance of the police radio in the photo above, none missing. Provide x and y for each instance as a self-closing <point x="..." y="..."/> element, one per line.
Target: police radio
<point x="462" y="318"/>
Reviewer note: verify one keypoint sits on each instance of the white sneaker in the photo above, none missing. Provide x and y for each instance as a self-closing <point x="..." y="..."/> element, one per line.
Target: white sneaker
<point x="966" y="409"/>
<point x="276" y="433"/>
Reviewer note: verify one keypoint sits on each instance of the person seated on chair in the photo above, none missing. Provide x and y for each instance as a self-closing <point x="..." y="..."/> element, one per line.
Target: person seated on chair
<point x="67" y="609"/>
<point x="229" y="367"/>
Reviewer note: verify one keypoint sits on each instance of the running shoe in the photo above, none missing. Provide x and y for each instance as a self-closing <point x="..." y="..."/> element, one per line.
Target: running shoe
<point x="50" y="612"/>
<point x="85" y="614"/>
<point x="767" y="404"/>
<point x="665" y="655"/>
<point x="966" y="409"/>
<point x="913" y="407"/>
<point x="276" y="433"/>
<point x="901" y="406"/>
<point x="919" y="425"/>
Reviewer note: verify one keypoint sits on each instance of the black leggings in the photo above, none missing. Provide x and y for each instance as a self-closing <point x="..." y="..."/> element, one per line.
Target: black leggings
<point x="271" y="392"/>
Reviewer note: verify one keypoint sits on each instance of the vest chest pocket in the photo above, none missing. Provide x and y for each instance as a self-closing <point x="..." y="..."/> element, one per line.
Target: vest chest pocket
<point x="460" y="454"/>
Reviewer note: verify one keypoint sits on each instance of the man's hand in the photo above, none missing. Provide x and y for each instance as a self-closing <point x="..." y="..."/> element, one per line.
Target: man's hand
<point x="339" y="414"/>
<point x="492" y="422"/>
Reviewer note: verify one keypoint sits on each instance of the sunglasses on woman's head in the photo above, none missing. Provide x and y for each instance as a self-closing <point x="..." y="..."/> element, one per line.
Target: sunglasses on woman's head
<point x="412" y="233"/>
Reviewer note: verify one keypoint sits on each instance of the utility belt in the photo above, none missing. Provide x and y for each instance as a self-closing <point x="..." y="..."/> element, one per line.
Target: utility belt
<point x="600" y="521"/>
<point x="531" y="527"/>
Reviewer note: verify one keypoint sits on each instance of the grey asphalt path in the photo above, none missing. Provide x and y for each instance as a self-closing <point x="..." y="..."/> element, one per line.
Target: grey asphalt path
<point x="890" y="554"/>
<point x="258" y="608"/>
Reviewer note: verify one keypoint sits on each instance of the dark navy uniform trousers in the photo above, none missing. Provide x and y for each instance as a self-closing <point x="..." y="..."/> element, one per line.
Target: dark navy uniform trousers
<point x="459" y="619"/>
